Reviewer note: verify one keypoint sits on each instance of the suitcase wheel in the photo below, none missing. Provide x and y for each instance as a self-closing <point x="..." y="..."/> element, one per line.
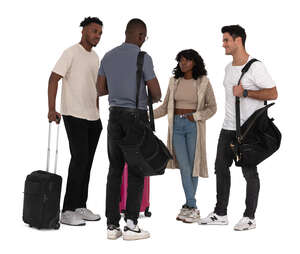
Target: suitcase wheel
<point x="147" y="213"/>
<point x="57" y="226"/>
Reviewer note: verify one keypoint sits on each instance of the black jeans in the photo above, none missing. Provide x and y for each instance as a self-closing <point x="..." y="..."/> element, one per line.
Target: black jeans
<point x="122" y="123"/>
<point x="223" y="162"/>
<point x="83" y="138"/>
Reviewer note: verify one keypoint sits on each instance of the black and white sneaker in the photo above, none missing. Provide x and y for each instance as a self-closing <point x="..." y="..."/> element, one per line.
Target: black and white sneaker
<point x="113" y="232"/>
<point x="214" y="219"/>
<point x="135" y="234"/>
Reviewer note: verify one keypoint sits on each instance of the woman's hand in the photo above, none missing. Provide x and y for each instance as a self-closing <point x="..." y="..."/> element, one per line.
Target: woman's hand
<point x="191" y="118"/>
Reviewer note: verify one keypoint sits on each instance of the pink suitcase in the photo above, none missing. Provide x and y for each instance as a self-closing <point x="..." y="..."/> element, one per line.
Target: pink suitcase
<point x="146" y="194"/>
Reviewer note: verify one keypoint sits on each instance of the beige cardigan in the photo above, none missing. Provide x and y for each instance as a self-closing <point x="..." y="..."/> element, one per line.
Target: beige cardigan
<point x="206" y="108"/>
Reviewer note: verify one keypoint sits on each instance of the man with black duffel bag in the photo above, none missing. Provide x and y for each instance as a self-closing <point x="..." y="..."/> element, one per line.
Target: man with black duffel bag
<point x="246" y="89"/>
<point x="117" y="77"/>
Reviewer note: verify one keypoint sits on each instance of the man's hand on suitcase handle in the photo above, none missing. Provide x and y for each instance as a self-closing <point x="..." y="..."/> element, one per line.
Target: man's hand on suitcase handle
<point x="54" y="116"/>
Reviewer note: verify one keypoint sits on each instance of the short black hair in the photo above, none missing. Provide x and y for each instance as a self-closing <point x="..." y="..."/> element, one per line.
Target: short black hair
<point x="134" y="23"/>
<point x="90" y="20"/>
<point x="235" y="31"/>
<point x="190" y="54"/>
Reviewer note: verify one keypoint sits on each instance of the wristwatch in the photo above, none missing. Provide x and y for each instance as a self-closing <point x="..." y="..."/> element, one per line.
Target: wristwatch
<point x="245" y="93"/>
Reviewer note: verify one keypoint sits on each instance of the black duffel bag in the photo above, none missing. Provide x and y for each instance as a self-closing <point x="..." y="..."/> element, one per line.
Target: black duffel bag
<point x="258" y="138"/>
<point x="149" y="156"/>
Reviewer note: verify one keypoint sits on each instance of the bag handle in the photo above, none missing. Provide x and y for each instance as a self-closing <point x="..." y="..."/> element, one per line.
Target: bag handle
<point x="237" y="101"/>
<point x="48" y="150"/>
<point x="139" y="73"/>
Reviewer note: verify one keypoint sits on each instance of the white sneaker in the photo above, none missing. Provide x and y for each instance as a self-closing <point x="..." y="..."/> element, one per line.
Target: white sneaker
<point x="71" y="218"/>
<point x="192" y="216"/>
<point x="184" y="211"/>
<point x="214" y="219"/>
<point x="87" y="214"/>
<point x="113" y="232"/>
<point x="135" y="234"/>
<point x="245" y="224"/>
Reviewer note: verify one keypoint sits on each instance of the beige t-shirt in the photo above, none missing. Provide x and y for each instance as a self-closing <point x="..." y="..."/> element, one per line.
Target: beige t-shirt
<point x="186" y="94"/>
<point x="79" y="69"/>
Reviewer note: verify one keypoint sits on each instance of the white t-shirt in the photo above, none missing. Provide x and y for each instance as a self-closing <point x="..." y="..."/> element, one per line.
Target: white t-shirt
<point x="79" y="69"/>
<point x="256" y="78"/>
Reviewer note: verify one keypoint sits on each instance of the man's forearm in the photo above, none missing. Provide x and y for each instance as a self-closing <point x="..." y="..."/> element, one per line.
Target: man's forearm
<point x="52" y="91"/>
<point x="263" y="94"/>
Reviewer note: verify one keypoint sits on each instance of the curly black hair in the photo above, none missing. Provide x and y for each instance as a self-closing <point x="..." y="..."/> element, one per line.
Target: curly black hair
<point x="190" y="54"/>
<point x="90" y="20"/>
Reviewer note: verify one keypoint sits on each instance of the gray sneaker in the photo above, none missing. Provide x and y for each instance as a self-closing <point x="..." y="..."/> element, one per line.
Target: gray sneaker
<point x="87" y="214"/>
<point x="184" y="211"/>
<point x="71" y="218"/>
<point x="192" y="216"/>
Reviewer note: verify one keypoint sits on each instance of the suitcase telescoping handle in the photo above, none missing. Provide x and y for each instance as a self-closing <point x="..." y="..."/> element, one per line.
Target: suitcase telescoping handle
<point x="48" y="151"/>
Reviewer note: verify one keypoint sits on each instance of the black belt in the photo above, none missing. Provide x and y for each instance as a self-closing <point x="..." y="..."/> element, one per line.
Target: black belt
<point x="130" y="110"/>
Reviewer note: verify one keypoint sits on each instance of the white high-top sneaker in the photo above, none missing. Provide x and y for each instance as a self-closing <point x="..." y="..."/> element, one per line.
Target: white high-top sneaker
<point x="87" y="214"/>
<point x="71" y="218"/>
<point x="135" y="234"/>
<point x="245" y="224"/>
<point x="214" y="219"/>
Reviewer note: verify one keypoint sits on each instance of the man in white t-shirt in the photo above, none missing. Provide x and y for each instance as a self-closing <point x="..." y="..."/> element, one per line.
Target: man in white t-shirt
<point x="78" y="67"/>
<point x="256" y="86"/>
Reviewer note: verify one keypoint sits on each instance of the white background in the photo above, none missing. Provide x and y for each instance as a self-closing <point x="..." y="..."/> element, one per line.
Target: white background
<point x="33" y="36"/>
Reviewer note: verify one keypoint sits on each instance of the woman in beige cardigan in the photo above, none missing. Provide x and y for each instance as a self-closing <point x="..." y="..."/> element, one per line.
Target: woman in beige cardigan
<point x="189" y="102"/>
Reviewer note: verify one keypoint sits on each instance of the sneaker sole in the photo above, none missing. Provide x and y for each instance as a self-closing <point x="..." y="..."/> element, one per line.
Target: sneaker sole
<point x="213" y="223"/>
<point x="92" y="220"/>
<point x="113" y="238"/>
<point x="193" y="221"/>
<point x="75" y="225"/>
<point x="179" y="218"/>
<point x="130" y="238"/>
<point x="244" y="229"/>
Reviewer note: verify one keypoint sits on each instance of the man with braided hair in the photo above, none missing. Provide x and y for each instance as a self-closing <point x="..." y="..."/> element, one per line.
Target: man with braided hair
<point x="78" y="67"/>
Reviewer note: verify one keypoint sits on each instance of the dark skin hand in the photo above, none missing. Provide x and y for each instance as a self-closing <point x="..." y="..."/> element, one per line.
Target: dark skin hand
<point x="191" y="118"/>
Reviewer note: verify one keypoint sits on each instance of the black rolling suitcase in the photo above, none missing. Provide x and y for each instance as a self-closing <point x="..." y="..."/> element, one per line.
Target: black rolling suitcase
<point x="42" y="191"/>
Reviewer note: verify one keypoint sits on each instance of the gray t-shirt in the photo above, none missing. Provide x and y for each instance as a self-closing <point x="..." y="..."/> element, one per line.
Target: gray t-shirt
<point x="119" y="67"/>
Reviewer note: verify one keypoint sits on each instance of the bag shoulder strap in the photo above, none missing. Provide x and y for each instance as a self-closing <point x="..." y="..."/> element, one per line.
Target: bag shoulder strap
<point x="139" y="73"/>
<point x="237" y="100"/>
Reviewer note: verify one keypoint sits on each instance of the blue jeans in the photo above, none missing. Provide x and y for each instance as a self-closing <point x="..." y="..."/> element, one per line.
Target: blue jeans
<point x="184" y="143"/>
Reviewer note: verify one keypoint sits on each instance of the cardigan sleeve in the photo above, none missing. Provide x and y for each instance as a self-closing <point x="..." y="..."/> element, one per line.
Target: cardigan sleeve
<point x="210" y="106"/>
<point x="162" y="110"/>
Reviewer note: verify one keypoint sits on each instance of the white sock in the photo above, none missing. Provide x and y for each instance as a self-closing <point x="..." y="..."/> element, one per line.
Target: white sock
<point x="130" y="224"/>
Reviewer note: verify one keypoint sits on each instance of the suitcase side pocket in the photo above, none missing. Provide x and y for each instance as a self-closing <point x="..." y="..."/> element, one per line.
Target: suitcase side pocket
<point x="33" y="203"/>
